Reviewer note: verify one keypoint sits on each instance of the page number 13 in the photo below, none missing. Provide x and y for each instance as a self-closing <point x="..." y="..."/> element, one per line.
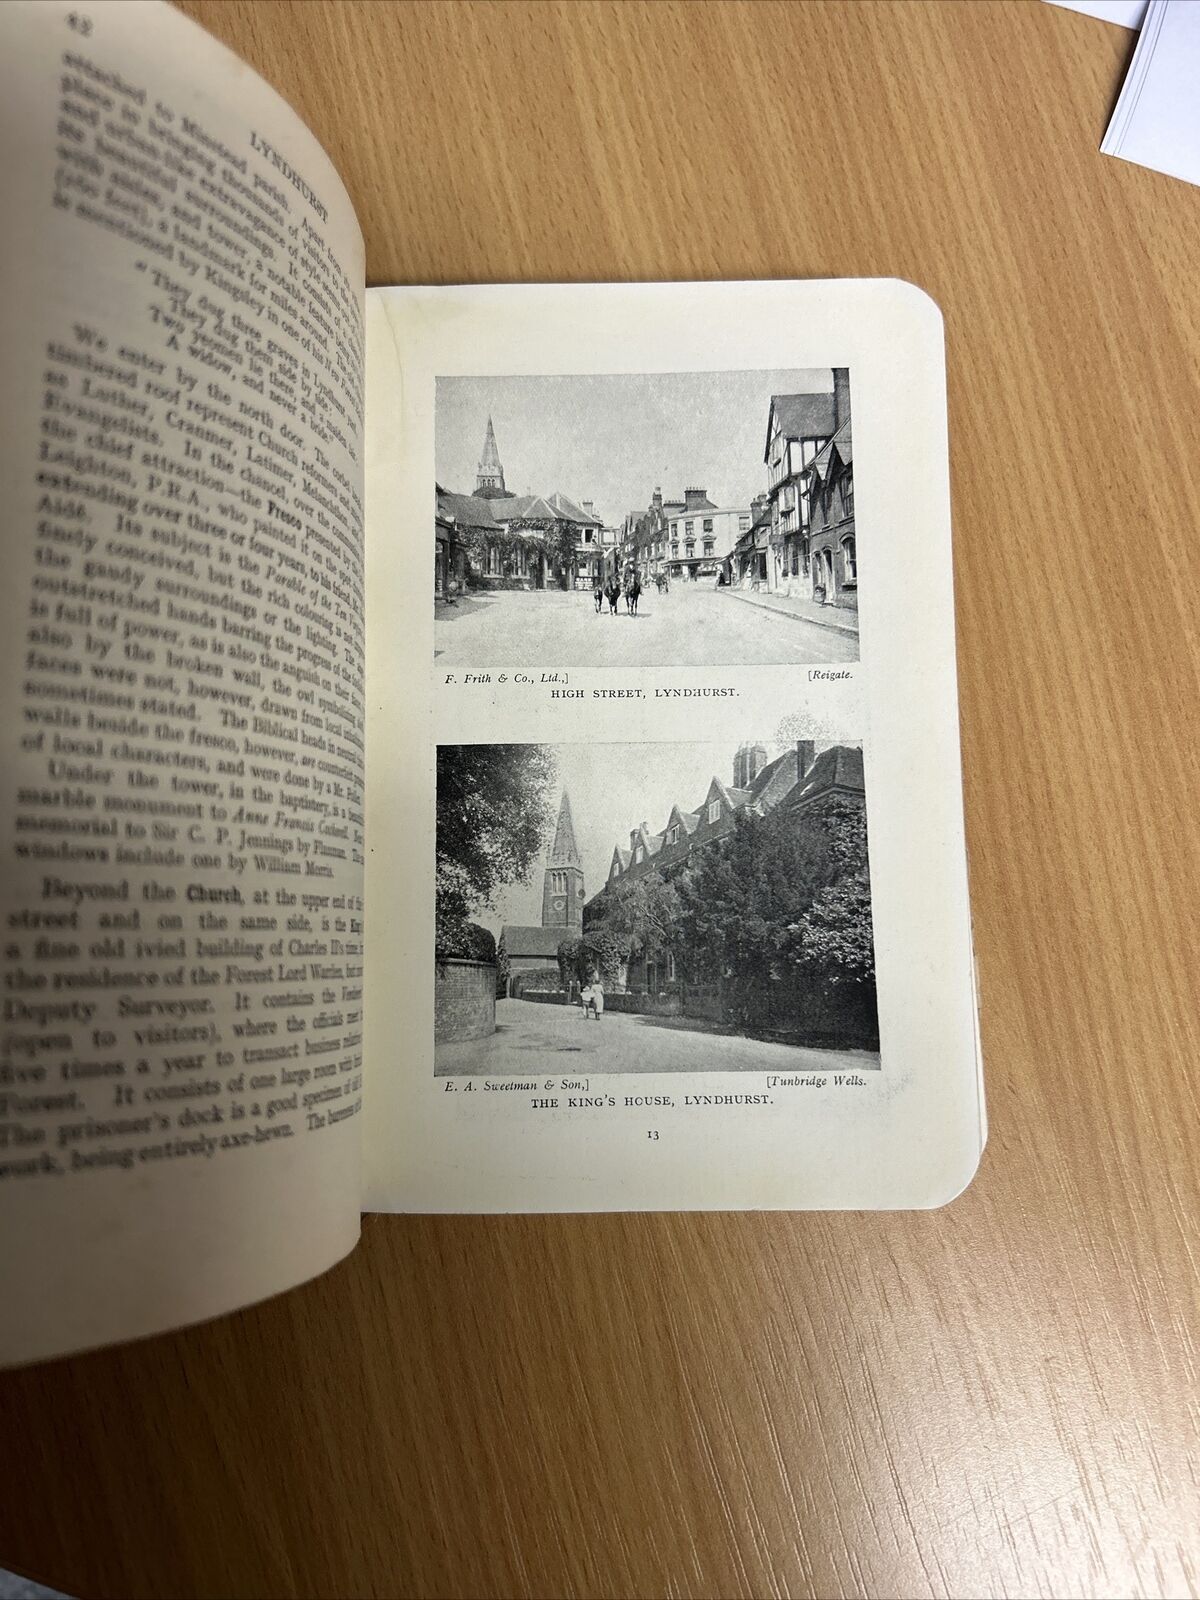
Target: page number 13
<point x="652" y="1133"/>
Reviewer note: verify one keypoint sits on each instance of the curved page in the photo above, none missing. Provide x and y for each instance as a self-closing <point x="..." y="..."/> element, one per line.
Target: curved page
<point x="180" y="688"/>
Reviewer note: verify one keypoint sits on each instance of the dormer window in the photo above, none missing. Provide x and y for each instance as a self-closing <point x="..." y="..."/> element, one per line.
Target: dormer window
<point x="638" y="854"/>
<point x="714" y="811"/>
<point x="673" y="833"/>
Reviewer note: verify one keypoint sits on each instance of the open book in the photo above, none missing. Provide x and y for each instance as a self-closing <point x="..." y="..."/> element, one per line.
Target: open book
<point x="465" y="749"/>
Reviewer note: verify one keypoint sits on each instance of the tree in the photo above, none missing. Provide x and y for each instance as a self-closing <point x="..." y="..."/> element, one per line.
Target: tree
<point x="568" y="963"/>
<point x="593" y="955"/>
<point x="564" y="545"/>
<point x="844" y="823"/>
<point x="739" y="898"/>
<point x="637" y="914"/>
<point x="834" y="937"/>
<point x="493" y="810"/>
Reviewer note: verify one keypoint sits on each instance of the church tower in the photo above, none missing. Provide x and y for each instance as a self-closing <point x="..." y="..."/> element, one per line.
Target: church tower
<point x="562" y="888"/>
<point x="489" y="481"/>
<point x="747" y="764"/>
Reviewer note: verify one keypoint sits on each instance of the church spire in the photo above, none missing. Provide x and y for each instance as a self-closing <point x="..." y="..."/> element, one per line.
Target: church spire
<point x="565" y="852"/>
<point x="490" y="479"/>
<point x="562" y="892"/>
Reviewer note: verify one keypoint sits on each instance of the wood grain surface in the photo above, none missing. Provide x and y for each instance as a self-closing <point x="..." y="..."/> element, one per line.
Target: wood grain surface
<point x="996" y="1399"/>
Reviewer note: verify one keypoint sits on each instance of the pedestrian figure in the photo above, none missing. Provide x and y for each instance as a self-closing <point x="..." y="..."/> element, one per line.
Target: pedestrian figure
<point x="598" y="594"/>
<point x="613" y="593"/>
<point x="593" y="1000"/>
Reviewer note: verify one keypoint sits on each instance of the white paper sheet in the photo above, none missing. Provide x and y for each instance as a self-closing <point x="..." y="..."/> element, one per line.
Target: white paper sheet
<point x="1125" y="13"/>
<point x="1157" y="118"/>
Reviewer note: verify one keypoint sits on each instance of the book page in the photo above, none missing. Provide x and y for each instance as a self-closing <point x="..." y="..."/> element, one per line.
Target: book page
<point x="181" y="690"/>
<point x="669" y="894"/>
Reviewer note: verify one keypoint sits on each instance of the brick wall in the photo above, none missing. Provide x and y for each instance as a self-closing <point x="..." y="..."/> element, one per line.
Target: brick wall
<point x="464" y="999"/>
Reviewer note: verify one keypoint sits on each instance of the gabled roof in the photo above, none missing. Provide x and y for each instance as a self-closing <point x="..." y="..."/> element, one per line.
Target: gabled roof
<point x="733" y="798"/>
<point x="652" y="843"/>
<point x="573" y="513"/>
<point x="527" y="507"/>
<point x="465" y="509"/>
<point x="800" y="416"/>
<point x="522" y="940"/>
<point x="687" y="820"/>
<point x="840" y="445"/>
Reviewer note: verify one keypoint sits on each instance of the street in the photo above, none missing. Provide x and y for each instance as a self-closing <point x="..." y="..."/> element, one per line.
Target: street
<point x="693" y="625"/>
<point x="532" y="1038"/>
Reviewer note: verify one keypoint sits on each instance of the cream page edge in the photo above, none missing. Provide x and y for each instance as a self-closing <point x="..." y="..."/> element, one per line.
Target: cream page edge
<point x="914" y="1138"/>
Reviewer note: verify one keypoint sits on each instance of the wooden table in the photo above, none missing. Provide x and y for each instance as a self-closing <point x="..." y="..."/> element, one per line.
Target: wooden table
<point x="999" y="1398"/>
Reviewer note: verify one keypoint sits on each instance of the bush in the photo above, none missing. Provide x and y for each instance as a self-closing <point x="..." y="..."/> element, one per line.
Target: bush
<point x="468" y="941"/>
<point x="544" y="981"/>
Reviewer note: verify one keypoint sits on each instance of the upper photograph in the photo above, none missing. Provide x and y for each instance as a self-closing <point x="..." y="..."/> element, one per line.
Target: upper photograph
<point x="660" y="519"/>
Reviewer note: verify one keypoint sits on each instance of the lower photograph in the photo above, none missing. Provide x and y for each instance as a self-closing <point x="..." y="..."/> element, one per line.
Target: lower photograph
<point x="653" y="907"/>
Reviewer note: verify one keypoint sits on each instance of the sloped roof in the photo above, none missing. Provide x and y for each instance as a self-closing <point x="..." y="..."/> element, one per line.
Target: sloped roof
<point x="773" y="781"/>
<point x="840" y="767"/>
<point x="567" y="508"/>
<point x="465" y="509"/>
<point x="841" y="444"/>
<point x="526" y="506"/>
<point x="522" y="940"/>
<point x="801" y="416"/>
<point x="688" y="820"/>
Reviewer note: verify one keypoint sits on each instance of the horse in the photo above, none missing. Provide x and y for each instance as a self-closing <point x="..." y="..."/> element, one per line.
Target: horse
<point x="613" y="594"/>
<point x="632" y="590"/>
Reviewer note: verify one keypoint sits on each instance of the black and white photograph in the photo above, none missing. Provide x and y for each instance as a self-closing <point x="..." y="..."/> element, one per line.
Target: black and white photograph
<point x="653" y="907"/>
<point x="654" y="519"/>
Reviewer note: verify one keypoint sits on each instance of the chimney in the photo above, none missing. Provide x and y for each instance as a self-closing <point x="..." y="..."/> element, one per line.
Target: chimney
<point x="747" y="764"/>
<point x="841" y="396"/>
<point x="633" y="838"/>
<point x="806" y="752"/>
<point x="693" y="498"/>
<point x="656" y="502"/>
<point x="587" y="506"/>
